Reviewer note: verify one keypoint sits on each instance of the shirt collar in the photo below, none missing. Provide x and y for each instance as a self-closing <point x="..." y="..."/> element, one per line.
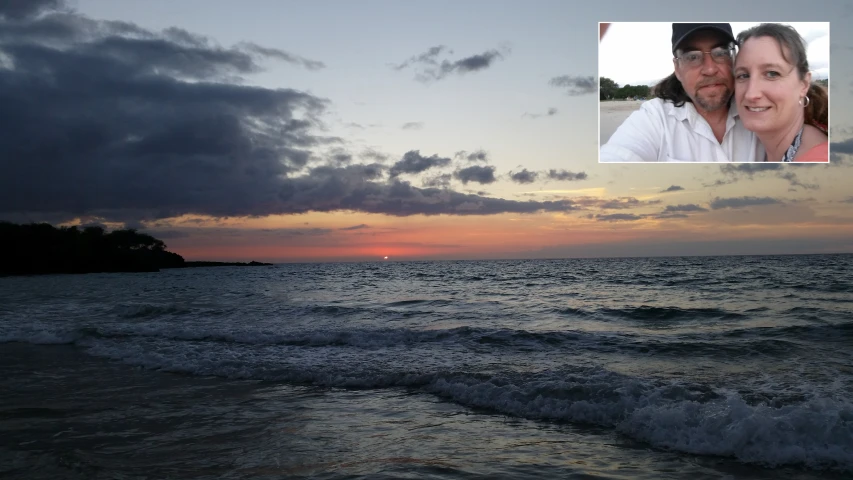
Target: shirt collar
<point x="688" y="112"/>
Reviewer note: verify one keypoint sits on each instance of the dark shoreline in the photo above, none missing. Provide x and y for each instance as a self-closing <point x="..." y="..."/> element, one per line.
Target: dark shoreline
<point x="198" y="264"/>
<point x="43" y="249"/>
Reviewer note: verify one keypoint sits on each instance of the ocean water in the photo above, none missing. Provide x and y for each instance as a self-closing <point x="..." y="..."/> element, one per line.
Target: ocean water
<point x="700" y="367"/>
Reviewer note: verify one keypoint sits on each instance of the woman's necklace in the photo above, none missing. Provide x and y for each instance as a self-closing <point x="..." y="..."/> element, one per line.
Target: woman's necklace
<point x="792" y="150"/>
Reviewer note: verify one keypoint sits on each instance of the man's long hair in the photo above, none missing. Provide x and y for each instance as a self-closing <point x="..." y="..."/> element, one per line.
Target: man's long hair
<point x="670" y="88"/>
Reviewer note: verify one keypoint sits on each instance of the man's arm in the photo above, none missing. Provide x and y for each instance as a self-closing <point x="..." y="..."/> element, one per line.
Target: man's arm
<point x="638" y="139"/>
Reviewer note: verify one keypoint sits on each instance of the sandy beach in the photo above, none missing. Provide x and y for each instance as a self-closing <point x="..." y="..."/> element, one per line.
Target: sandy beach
<point x="613" y="113"/>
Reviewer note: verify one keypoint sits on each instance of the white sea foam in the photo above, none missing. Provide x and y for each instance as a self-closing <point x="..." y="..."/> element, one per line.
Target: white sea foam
<point x="817" y="433"/>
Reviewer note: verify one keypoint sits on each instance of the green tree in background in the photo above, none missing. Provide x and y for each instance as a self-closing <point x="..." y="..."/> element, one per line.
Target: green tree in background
<point x="608" y="88"/>
<point x="632" y="91"/>
<point x="611" y="90"/>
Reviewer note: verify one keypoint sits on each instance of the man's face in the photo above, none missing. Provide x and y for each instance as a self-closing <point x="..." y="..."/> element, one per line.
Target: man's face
<point x="709" y="85"/>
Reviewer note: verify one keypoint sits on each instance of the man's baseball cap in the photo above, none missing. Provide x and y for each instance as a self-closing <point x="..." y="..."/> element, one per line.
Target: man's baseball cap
<point x="680" y="31"/>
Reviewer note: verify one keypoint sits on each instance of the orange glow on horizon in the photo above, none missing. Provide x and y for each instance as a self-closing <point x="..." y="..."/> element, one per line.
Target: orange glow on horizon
<point x="374" y="237"/>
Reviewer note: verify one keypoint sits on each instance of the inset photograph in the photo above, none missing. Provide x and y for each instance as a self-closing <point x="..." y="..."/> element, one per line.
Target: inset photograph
<point x="713" y="92"/>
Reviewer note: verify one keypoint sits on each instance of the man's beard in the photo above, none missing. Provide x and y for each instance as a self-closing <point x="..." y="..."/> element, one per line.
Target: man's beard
<point x="713" y="103"/>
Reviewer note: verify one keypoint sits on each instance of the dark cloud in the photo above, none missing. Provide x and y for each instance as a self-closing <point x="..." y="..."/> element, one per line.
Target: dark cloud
<point x="618" y="217"/>
<point x="110" y="122"/>
<point x="792" y="178"/>
<point x="476" y="173"/>
<point x="524" y="176"/>
<point x="340" y="157"/>
<point x="200" y="234"/>
<point x="355" y="188"/>
<point x="845" y="146"/>
<point x="373" y="155"/>
<point x="282" y="55"/>
<point x="338" y="190"/>
<point x="125" y="49"/>
<point x="690" y="207"/>
<point x="748" y="169"/>
<point x="575" y="85"/>
<point x="550" y="113"/>
<point x="666" y="215"/>
<point x="735" y="172"/>
<point x="470" y="64"/>
<point x="427" y="58"/>
<point x="720" y="182"/>
<point x="565" y="175"/>
<point x="414" y="162"/>
<point x="672" y="188"/>
<point x="21" y="9"/>
<point x="478" y="156"/>
<point x="280" y="232"/>
<point x="438" y="181"/>
<point x="619" y="203"/>
<point x="431" y="69"/>
<point x="839" y="160"/>
<point x="847" y="200"/>
<point x="361" y="226"/>
<point x="413" y="126"/>
<point x="740" y="202"/>
<point x="181" y="36"/>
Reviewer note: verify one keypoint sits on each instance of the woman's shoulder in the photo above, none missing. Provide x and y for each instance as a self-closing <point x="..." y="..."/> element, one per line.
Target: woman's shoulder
<point x="815" y="146"/>
<point x="818" y="153"/>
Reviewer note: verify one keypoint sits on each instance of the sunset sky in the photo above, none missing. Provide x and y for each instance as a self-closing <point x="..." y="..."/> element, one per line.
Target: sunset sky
<point x="333" y="130"/>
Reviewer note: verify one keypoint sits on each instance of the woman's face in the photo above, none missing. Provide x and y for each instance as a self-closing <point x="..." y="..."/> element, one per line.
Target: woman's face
<point x="768" y="89"/>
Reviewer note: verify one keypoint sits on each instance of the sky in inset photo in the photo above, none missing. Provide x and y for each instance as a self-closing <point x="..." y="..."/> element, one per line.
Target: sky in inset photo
<point x="336" y="131"/>
<point x="627" y="62"/>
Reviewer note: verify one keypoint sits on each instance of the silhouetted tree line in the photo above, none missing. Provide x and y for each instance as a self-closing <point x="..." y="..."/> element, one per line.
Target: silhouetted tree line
<point x="42" y="248"/>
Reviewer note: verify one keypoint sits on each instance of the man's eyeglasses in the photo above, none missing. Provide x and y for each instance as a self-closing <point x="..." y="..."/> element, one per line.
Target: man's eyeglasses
<point x="694" y="58"/>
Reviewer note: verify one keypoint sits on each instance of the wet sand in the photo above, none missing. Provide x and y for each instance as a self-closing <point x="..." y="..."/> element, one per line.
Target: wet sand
<point x="613" y="113"/>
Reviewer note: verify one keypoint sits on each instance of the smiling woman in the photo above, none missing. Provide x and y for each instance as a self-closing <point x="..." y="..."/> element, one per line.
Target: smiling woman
<point x="776" y="98"/>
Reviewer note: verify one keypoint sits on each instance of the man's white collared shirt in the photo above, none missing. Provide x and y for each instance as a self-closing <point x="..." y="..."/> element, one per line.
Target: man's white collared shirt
<point x="661" y="132"/>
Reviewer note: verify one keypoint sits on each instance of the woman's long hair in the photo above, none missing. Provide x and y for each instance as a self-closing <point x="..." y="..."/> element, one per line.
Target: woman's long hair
<point x="817" y="111"/>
